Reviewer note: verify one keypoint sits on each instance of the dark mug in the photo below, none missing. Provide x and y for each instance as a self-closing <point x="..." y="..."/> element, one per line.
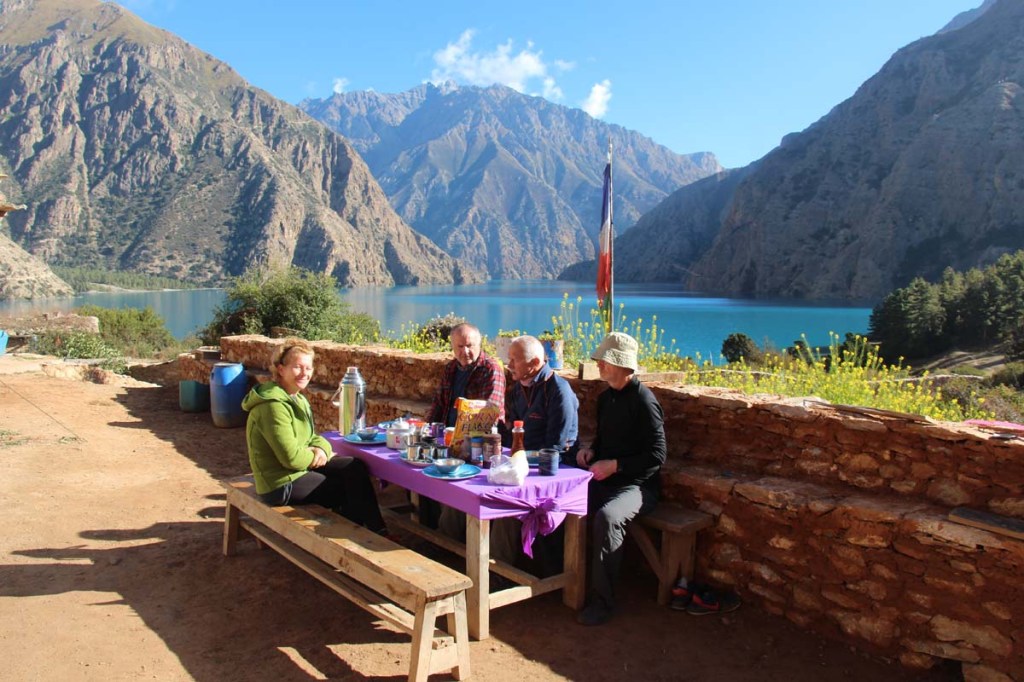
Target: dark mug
<point x="547" y="464"/>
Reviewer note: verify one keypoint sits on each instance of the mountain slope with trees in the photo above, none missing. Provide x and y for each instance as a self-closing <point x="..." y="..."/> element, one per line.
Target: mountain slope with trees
<point x="974" y="309"/>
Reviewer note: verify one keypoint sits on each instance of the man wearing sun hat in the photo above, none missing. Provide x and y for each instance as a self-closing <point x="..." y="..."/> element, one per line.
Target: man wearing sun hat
<point x="625" y="459"/>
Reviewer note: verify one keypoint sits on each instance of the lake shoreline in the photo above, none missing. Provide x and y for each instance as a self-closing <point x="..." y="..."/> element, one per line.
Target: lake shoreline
<point x="690" y="324"/>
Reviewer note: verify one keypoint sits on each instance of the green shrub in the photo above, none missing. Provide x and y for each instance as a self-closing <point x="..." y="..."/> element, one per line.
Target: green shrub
<point x="966" y="371"/>
<point x="80" y="345"/>
<point x="581" y="338"/>
<point x="292" y="297"/>
<point x="436" y="332"/>
<point x="1011" y="375"/>
<point x="134" y="332"/>
<point x="1004" y="403"/>
<point x="739" y="346"/>
<point x="1015" y="345"/>
<point x="850" y="376"/>
<point x="429" y="337"/>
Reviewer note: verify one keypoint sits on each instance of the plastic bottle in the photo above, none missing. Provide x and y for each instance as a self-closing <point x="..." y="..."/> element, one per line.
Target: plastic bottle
<point x="517" y="436"/>
<point x="476" y="451"/>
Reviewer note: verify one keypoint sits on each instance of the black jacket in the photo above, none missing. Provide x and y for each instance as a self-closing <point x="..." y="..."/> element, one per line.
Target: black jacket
<point x="631" y="429"/>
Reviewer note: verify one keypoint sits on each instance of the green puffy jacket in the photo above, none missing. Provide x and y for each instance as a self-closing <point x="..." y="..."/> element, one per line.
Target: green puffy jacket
<point x="279" y="433"/>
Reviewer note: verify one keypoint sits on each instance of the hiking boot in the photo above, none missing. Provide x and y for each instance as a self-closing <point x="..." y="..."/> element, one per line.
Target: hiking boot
<point x="707" y="601"/>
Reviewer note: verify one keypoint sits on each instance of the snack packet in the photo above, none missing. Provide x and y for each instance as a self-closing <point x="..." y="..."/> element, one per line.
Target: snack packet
<point x="475" y="418"/>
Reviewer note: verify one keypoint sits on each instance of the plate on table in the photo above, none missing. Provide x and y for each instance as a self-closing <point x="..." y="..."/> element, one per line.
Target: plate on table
<point x="463" y="472"/>
<point x="418" y="463"/>
<point x="353" y="438"/>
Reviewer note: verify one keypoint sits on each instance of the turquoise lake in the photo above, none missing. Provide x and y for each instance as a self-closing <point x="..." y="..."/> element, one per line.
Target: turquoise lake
<point x="698" y="323"/>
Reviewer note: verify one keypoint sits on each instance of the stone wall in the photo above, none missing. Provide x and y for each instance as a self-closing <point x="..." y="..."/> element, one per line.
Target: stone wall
<point x="832" y="517"/>
<point x="946" y="463"/>
<point x="888" y="573"/>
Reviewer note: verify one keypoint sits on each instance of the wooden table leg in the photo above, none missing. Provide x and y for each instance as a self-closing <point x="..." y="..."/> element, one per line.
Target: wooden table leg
<point x="478" y="559"/>
<point x="575" y="561"/>
<point x="230" y="529"/>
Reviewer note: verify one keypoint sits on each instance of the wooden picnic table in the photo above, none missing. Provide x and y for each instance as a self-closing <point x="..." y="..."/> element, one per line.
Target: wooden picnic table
<point x="540" y="500"/>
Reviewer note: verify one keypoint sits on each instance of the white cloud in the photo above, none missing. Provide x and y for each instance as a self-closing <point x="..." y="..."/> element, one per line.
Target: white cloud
<point x="551" y="90"/>
<point x="458" y="62"/>
<point x="596" y="103"/>
<point x="338" y="85"/>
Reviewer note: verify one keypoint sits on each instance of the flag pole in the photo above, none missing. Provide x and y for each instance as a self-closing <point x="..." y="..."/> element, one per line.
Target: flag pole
<point x="604" y="249"/>
<point x="611" y="245"/>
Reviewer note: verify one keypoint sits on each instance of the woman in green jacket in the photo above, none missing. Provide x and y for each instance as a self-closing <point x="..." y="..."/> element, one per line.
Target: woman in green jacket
<point x="291" y="463"/>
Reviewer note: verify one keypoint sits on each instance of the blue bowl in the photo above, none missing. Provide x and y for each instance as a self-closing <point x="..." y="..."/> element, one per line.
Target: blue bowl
<point x="367" y="434"/>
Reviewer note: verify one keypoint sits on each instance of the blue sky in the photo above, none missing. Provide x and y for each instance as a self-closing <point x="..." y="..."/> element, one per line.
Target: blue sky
<point x="727" y="76"/>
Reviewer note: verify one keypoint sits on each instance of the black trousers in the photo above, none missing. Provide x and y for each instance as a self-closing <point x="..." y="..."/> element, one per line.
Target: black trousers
<point x="343" y="484"/>
<point x="610" y="509"/>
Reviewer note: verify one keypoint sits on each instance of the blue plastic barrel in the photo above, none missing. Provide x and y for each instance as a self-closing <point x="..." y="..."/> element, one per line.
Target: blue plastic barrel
<point x="3" y="342"/>
<point x="193" y="396"/>
<point x="553" y="353"/>
<point x="228" y="385"/>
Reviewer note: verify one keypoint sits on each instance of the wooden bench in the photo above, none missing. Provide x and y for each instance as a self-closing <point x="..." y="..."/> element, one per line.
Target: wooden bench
<point x="678" y="527"/>
<point x="392" y="582"/>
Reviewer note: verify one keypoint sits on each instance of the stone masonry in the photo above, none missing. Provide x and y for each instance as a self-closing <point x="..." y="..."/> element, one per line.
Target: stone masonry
<point x="833" y="518"/>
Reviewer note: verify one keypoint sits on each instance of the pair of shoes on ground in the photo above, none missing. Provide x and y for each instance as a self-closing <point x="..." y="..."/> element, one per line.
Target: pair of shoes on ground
<point x="701" y="600"/>
<point x="594" y="613"/>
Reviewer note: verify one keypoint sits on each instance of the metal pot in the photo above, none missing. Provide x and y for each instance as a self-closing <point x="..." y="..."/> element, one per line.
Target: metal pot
<point x="396" y="435"/>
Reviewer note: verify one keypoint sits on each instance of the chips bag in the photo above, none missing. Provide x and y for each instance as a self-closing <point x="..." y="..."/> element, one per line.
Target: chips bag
<point x="475" y="418"/>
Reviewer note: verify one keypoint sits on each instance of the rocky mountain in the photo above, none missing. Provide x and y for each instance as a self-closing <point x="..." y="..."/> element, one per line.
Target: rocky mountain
<point x="919" y="170"/>
<point x="964" y="18"/>
<point x="134" y="150"/>
<point x="22" y="275"/>
<point x="504" y="182"/>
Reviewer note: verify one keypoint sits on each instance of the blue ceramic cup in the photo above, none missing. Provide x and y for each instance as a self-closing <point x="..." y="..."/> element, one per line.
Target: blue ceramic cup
<point x="547" y="461"/>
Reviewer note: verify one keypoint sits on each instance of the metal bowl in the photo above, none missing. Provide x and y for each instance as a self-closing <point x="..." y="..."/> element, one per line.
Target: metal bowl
<point x="448" y="465"/>
<point x="367" y="434"/>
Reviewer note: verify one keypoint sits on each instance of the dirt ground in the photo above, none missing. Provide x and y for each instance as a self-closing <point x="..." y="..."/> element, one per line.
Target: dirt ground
<point x="110" y="569"/>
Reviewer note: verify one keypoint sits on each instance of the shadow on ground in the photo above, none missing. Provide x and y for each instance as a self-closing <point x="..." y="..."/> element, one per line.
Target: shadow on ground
<point x="249" y="617"/>
<point x="219" y="451"/>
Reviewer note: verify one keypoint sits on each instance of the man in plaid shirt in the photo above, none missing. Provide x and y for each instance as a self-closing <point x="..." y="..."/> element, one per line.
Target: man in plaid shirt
<point x="471" y="374"/>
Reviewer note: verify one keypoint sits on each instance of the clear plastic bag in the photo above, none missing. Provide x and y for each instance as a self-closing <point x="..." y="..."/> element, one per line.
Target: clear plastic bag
<point x="508" y="470"/>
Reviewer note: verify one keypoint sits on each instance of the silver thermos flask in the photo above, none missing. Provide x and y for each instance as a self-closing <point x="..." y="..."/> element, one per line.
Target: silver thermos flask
<point x="352" y="408"/>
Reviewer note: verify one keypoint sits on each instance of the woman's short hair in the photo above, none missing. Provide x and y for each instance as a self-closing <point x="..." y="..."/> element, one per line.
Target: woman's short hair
<point x="281" y="354"/>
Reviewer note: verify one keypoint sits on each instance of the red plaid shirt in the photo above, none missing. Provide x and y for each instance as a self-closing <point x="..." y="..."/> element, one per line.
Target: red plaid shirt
<point x="486" y="382"/>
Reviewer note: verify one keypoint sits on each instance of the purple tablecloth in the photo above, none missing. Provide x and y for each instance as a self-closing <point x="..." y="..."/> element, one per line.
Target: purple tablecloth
<point x="541" y="503"/>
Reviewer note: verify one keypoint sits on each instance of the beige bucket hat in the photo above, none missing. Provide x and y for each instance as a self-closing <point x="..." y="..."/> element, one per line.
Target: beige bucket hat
<point x="617" y="349"/>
